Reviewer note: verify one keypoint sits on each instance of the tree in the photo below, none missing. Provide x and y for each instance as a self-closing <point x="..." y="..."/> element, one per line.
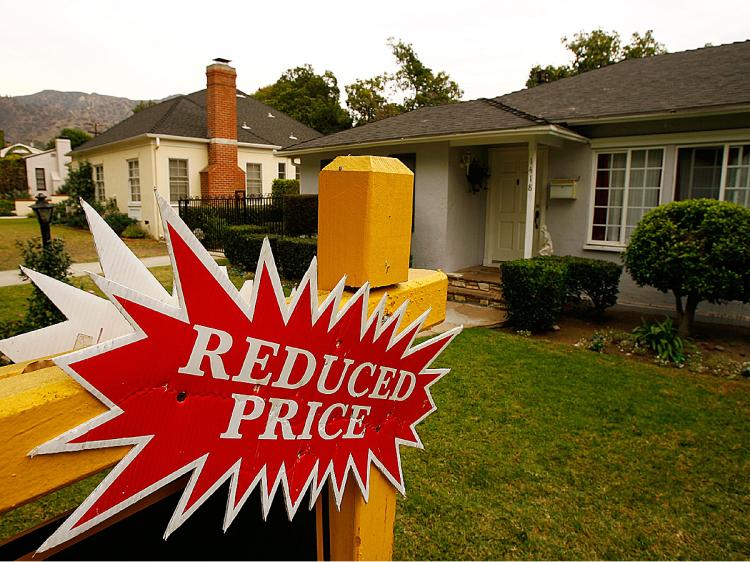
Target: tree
<point x="79" y="185"/>
<point x="143" y="104"/>
<point x="53" y="260"/>
<point x="416" y="84"/>
<point x="310" y="98"/>
<point x="698" y="249"/>
<point x="76" y="136"/>
<point x="594" y="50"/>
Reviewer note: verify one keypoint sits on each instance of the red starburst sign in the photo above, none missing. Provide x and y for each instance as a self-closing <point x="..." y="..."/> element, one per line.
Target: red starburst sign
<point x="247" y="388"/>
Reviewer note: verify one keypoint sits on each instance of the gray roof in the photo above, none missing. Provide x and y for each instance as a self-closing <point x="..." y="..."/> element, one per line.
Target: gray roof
<point x="711" y="77"/>
<point x="185" y="116"/>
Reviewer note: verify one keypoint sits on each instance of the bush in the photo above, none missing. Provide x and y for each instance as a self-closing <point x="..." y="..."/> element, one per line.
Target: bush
<point x="300" y="215"/>
<point x="285" y="187"/>
<point x="535" y="291"/>
<point x="293" y="256"/>
<point x="7" y="208"/>
<point x="54" y="261"/>
<point x="118" y="221"/>
<point x="597" y="280"/>
<point x="698" y="249"/>
<point x="242" y="245"/>
<point x="13" y="177"/>
<point x="134" y="231"/>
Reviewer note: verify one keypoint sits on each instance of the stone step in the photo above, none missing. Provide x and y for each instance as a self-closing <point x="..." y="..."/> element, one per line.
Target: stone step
<point x="493" y="298"/>
<point x="475" y="285"/>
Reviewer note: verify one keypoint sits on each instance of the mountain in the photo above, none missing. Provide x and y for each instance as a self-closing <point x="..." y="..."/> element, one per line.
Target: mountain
<point x="39" y="117"/>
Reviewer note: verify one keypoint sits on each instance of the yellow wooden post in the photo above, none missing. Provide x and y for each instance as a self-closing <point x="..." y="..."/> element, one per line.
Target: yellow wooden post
<point x="364" y="232"/>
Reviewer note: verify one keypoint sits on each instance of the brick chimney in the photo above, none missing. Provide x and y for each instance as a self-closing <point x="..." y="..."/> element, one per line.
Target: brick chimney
<point x="222" y="176"/>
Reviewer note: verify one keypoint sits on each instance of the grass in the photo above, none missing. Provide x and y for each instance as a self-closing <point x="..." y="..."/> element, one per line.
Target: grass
<point x="539" y="451"/>
<point x="78" y="242"/>
<point x="544" y="451"/>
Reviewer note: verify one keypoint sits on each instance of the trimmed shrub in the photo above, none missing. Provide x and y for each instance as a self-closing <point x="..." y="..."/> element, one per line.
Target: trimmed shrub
<point x="242" y="245"/>
<point x="300" y="215"/>
<point x="134" y="231"/>
<point x="7" y="208"/>
<point x="535" y="291"/>
<point x="698" y="249"/>
<point x="285" y="187"/>
<point x="208" y="225"/>
<point x="118" y="221"/>
<point x="597" y="280"/>
<point x="293" y="255"/>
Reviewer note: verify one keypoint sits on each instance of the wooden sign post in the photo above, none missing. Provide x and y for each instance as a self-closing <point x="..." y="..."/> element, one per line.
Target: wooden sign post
<point x="364" y="224"/>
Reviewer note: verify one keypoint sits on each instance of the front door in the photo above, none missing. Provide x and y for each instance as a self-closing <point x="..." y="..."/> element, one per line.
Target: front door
<point x="506" y="206"/>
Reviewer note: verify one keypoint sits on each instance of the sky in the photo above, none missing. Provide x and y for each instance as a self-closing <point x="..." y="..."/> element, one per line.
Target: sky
<point x="153" y="49"/>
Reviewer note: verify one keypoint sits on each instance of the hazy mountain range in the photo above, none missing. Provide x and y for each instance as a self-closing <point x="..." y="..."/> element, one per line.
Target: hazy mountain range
<point x="39" y="117"/>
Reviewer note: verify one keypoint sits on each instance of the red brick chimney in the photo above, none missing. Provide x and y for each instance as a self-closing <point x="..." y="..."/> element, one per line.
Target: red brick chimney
<point x="222" y="176"/>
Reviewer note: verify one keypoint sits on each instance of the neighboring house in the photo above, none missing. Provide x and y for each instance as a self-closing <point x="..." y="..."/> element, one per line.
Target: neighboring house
<point x="47" y="171"/>
<point x="586" y="156"/>
<point x="18" y="148"/>
<point x="214" y="142"/>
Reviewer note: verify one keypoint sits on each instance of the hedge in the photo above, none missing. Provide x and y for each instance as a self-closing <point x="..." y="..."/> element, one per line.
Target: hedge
<point x="285" y="187"/>
<point x="536" y="290"/>
<point x="300" y="215"/>
<point x="242" y="245"/>
<point x="293" y="256"/>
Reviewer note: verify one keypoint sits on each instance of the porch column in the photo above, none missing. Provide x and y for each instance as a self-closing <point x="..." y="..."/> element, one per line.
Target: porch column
<point x="528" y="238"/>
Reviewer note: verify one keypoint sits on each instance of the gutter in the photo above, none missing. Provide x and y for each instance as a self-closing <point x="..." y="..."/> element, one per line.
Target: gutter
<point x="554" y="130"/>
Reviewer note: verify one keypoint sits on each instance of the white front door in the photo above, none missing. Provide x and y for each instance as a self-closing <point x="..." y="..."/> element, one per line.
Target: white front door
<point x="506" y="206"/>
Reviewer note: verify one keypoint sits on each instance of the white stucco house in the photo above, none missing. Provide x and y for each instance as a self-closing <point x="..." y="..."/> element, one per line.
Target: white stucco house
<point x="47" y="171"/>
<point x="586" y="156"/>
<point x="213" y="142"/>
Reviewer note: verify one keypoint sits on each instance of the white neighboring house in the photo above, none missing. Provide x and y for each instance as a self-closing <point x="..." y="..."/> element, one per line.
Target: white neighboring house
<point x="18" y="148"/>
<point x="47" y="171"/>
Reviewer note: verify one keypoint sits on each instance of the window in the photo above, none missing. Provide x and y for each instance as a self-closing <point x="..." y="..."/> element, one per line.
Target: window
<point x="178" y="180"/>
<point x="627" y="185"/>
<point x="282" y="171"/>
<point x="99" y="182"/>
<point x="41" y="180"/>
<point x="297" y="172"/>
<point x="254" y="179"/>
<point x="134" y="181"/>
<point x="714" y="172"/>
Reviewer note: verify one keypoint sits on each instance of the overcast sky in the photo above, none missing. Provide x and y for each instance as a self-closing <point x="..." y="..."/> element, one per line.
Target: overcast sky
<point x="153" y="49"/>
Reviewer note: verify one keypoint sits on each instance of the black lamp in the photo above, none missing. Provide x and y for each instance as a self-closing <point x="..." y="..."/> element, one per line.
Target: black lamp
<point x="43" y="210"/>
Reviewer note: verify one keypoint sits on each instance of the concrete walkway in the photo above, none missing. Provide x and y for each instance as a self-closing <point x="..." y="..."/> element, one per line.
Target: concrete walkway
<point x="468" y="315"/>
<point x="12" y="276"/>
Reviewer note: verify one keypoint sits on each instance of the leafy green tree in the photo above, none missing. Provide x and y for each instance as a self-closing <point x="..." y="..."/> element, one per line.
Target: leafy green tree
<point x="79" y="185"/>
<point x="52" y="260"/>
<point x="310" y="98"/>
<point x="698" y="249"/>
<point x="77" y="137"/>
<point x="594" y="50"/>
<point x="143" y="104"/>
<point x="13" y="177"/>
<point x="416" y="84"/>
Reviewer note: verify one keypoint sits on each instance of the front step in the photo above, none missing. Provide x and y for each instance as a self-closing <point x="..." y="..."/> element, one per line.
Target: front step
<point x="468" y="288"/>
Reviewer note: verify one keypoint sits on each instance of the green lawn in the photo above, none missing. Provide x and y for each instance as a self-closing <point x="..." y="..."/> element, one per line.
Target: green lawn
<point x="544" y="451"/>
<point x="78" y="242"/>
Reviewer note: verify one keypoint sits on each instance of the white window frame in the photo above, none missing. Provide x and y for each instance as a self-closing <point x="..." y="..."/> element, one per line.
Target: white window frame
<point x="187" y="178"/>
<point x="621" y="244"/>
<point x="281" y="170"/>
<point x="247" y="178"/>
<point x="134" y="181"/>
<point x="99" y="189"/>
<point x="725" y="146"/>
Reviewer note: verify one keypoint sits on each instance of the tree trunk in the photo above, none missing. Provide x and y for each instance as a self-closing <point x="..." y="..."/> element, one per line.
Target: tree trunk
<point x="678" y="305"/>
<point x="686" y="321"/>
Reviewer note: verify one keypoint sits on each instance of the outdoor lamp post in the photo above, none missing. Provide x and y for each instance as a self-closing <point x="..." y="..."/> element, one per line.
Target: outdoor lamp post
<point x="43" y="211"/>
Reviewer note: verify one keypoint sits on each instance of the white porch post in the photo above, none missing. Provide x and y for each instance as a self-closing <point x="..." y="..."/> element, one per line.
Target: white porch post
<point x="528" y="239"/>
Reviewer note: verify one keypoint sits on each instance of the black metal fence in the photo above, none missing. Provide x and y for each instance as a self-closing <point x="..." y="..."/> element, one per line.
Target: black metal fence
<point x="209" y="217"/>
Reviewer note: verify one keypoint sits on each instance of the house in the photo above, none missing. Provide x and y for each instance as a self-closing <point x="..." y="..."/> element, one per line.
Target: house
<point x="18" y="148"/>
<point x="586" y="156"/>
<point x="210" y="143"/>
<point x="47" y="171"/>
